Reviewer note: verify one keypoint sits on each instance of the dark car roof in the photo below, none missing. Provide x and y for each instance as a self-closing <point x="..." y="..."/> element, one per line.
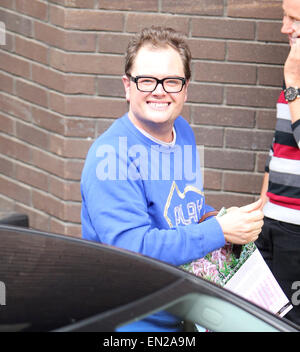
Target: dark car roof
<point x="60" y="282"/>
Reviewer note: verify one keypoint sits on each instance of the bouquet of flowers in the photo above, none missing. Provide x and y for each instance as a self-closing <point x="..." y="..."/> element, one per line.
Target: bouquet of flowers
<point x="220" y="265"/>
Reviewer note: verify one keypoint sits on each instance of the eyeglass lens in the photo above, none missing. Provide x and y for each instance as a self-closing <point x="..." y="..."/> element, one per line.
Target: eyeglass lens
<point x="170" y="85"/>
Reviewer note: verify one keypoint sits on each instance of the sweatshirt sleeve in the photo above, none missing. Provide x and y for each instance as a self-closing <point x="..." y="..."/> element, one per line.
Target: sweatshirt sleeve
<point x="115" y="213"/>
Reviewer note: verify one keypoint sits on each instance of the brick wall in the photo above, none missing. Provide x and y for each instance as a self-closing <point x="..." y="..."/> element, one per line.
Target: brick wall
<point x="60" y="88"/>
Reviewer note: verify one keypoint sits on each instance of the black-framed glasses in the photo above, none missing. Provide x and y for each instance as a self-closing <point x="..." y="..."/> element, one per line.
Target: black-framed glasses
<point x="149" y="84"/>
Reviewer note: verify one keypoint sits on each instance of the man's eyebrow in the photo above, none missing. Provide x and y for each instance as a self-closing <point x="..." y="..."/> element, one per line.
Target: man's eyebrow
<point x="290" y="16"/>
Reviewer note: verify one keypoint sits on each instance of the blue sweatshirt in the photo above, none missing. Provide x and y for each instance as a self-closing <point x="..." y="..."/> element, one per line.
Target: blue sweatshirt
<point x="147" y="197"/>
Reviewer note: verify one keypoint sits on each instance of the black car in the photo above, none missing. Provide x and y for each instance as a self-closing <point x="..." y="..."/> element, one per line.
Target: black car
<point x="51" y="282"/>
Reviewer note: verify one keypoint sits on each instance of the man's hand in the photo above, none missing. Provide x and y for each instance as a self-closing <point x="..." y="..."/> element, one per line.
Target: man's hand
<point x="292" y="77"/>
<point x="292" y="66"/>
<point x="242" y="225"/>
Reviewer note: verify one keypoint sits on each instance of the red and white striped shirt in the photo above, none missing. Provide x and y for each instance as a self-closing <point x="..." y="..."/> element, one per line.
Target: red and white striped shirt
<point x="283" y="165"/>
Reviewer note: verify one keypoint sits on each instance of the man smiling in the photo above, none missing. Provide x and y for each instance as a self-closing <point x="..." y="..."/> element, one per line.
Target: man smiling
<point x="134" y="193"/>
<point x="154" y="107"/>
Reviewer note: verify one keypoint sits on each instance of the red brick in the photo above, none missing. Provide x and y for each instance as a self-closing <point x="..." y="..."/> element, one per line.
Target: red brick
<point x="261" y="159"/>
<point x="87" y="106"/>
<point x="129" y="5"/>
<point x="6" y="203"/>
<point x="6" y="82"/>
<point x="103" y="125"/>
<point x="87" y="63"/>
<point x="266" y="119"/>
<point x="72" y="191"/>
<point x="8" y="4"/>
<point x="32" y="93"/>
<point x="228" y="199"/>
<point x="266" y="9"/>
<point x="57" y="14"/>
<point x="16" y="23"/>
<point x="136" y="21"/>
<point x="114" y="43"/>
<point x="224" y="73"/>
<point x="32" y="135"/>
<point x="37" y="220"/>
<point x="257" y="53"/>
<point x="77" y="41"/>
<point x="48" y="120"/>
<point x="15" y="149"/>
<point x="248" y="139"/>
<point x="229" y="159"/>
<point x="73" y="169"/>
<point x="93" y="20"/>
<point x="15" y="65"/>
<point x="202" y="93"/>
<point x="223" y="28"/>
<point x="270" y="76"/>
<point x="14" y="106"/>
<point x="271" y="32"/>
<point x="72" y="212"/>
<point x="57" y="226"/>
<point x="207" y="49"/>
<point x="7" y="167"/>
<point x="186" y="112"/>
<point x="111" y="87"/>
<point x="64" y="189"/>
<point x="33" y="8"/>
<point x="64" y="228"/>
<point x="203" y="7"/>
<point x="70" y="148"/>
<point x="75" y="3"/>
<point x="15" y="190"/>
<point x="212" y="180"/>
<point x="32" y="177"/>
<point x="7" y="124"/>
<point x="9" y="42"/>
<point x="56" y="145"/>
<point x="252" y="96"/>
<point x="67" y="83"/>
<point x="68" y="40"/>
<point x="48" y="162"/>
<point x="48" y="34"/>
<point x="47" y="203"/>
<point x="31" y="49"/>
<point x="79" y="127"/>
<point x="73" y="230"/>
<point x="209" y="136"/>
<point x="242" y="183"/>
<point x="223" y="116"/>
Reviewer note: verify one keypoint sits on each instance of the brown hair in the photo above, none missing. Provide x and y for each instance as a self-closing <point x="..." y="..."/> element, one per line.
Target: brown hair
<point x="159" y="37"/>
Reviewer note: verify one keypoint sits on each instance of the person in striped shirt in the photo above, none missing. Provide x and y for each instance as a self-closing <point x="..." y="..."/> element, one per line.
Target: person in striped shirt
<point x="279" y="241"/>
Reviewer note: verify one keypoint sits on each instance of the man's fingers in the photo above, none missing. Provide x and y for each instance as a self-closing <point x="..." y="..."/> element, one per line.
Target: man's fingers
<point x="252" y="206"/>
<point x="255" y="215"/>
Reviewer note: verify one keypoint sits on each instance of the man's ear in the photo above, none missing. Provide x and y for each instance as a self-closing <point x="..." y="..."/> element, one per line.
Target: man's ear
<point x="126" y="83"/>
<point x="186" y="89"/>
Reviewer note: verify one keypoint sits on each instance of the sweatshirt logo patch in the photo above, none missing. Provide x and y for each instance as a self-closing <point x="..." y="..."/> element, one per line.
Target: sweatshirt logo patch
<point x="179" y="211"/>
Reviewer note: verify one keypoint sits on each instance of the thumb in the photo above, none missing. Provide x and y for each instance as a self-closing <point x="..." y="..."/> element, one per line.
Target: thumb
<point x="252" y="206"/>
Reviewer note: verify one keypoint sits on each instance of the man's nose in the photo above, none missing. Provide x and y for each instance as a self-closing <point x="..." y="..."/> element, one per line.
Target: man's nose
<point x="159" y="89"/>
<point x="287" y="25"/>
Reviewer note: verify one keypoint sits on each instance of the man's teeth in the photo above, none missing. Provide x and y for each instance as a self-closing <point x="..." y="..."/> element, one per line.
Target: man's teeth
<point x="158" y="105"/>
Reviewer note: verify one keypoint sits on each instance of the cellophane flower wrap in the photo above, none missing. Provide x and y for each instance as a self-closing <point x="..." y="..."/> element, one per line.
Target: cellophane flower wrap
<point x="220" y="265"/>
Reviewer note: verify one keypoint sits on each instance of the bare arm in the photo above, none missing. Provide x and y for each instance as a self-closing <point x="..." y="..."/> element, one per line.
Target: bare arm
<point x="264" y="189"/>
